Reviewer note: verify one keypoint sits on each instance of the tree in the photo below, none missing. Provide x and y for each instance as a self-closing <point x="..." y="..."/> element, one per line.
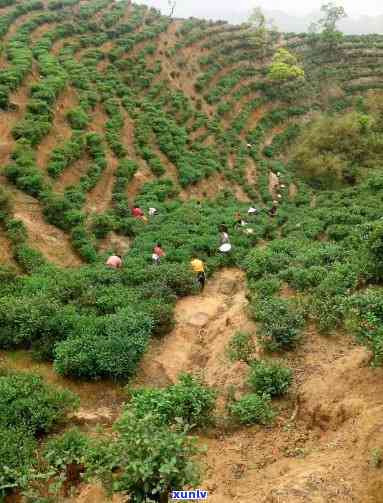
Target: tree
<point x="285" y="67"/>
<point x="332" y="14"/>
<point x="260" y="32"/>
<point x="330" y="36"/>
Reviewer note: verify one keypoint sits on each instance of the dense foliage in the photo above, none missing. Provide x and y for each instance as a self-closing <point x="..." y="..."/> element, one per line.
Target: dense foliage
<point x="188" y="402"/>
<point x="103" y="111"/>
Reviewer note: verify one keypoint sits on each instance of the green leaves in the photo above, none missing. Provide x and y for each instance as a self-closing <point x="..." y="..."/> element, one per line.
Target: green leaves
<point x="281" y="323"/>
<point x="252" y="409"/>
<point x="188" y="402"/>
<point x="151" y="459"/>
<point x="269" y="378"/>
<point x="30" y="404"/>
<point x="17" y="452"/>
<point x="285" y="67"/>
<point x="109" y="346"/>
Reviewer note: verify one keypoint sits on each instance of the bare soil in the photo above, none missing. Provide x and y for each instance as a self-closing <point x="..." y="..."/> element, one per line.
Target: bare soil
<point x="52" y="242"/>
<point x="320" y="448"/>
<point x="71" y="176"/>
<point x="60" y="130"/>
<point x="99" y="199"/>
<point x="6" y="256"/>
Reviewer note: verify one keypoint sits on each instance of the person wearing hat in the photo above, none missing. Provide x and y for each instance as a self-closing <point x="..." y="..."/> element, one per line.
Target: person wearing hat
<point x="199" y="269"/>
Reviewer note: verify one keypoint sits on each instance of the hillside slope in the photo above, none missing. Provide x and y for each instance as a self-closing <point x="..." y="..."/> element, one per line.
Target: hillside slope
<point x="182" y="99"/>
<point x="104" y="105"/>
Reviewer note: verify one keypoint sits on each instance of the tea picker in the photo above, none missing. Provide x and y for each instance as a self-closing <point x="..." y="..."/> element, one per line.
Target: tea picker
<point x="114" y="262"/>
<point x="158" y="253"/>
<point x="199" y="269"/>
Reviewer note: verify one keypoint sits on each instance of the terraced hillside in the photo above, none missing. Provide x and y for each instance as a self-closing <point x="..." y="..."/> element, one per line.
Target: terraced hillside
<point x="105" y="105"/>
<point x="88" y="88"/>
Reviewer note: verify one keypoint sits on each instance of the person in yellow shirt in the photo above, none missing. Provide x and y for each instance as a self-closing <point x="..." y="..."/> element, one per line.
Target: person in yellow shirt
<point x="199" y="268"/>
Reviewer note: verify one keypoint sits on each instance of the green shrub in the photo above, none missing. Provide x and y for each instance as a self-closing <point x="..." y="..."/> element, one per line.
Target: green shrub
<point x="5" y="205"/>
<point x="67" y="450"/>
<point x="31" y="260"/>
<point x="78" y="118"/>
<point x="304" y="278"/>
<point x="267" y="287"/>
<point x="17" y="454"/>
<point x="269" y="378"/>
<point x="187" y="401"/>
<point x="29" y="320"/>
<point x="102" y="224"/>
<point x="162" y="313"/>
<point x="28" y="403"/>
<point x="62" y="157"/>
<point x="252" y="409"/>
<point x="16" y="231"/>
<point x="241" y="347"/>
<point x="364" y="318"/>
<point x="149" y="460"/>
<point x="109" y="346"/>
<point x="281" y="323"/>
<point x="375" y="247"/>
<point x="260" y="262"/>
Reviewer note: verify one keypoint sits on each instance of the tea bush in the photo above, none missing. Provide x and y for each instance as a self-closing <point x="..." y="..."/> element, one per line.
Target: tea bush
<point x="241" y="347"/>
<point x="148" y="460"/>
<point x="364" y="315"/>
<point x="25" y="319"/>
<point x="269" y="378"/>
<point x="17" y="452"/>
<point x="252" y="409"/>
<point x="281" y="323"/>
<point x="375" y="249"/>
<point x="28" y="403"/>
<point x="188" y="402"/>
<point x="109" y="346"/>
<point x="68" y="449"/>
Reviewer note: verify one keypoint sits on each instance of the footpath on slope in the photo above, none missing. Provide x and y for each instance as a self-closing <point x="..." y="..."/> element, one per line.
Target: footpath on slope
<point x="204" y="324"/>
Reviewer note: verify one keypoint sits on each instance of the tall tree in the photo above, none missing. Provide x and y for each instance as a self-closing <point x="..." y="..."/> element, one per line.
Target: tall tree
<point x="260" y="30"/>
<point x="329" y="36"/>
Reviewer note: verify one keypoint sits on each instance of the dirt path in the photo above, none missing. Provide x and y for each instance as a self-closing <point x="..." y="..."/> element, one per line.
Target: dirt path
<point x="99" y="199"/>
<point x="204" y="326"/>
<point x="251" y="172"/>
<point x="320" y="448"/>
<point x="274" y="185"/>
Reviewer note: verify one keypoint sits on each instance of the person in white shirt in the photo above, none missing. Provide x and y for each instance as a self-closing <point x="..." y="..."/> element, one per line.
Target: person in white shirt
<point x="152" y="212"/>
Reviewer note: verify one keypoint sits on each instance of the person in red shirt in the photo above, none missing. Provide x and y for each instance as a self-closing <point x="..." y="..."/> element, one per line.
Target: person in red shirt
<point x="137" y="212"/>
<point x="158" y="253"/>
<point x="114" y="261"/>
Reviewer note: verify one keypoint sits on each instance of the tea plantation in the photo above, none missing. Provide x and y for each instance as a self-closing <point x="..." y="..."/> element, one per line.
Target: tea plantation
<point x="106" y="105"/>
